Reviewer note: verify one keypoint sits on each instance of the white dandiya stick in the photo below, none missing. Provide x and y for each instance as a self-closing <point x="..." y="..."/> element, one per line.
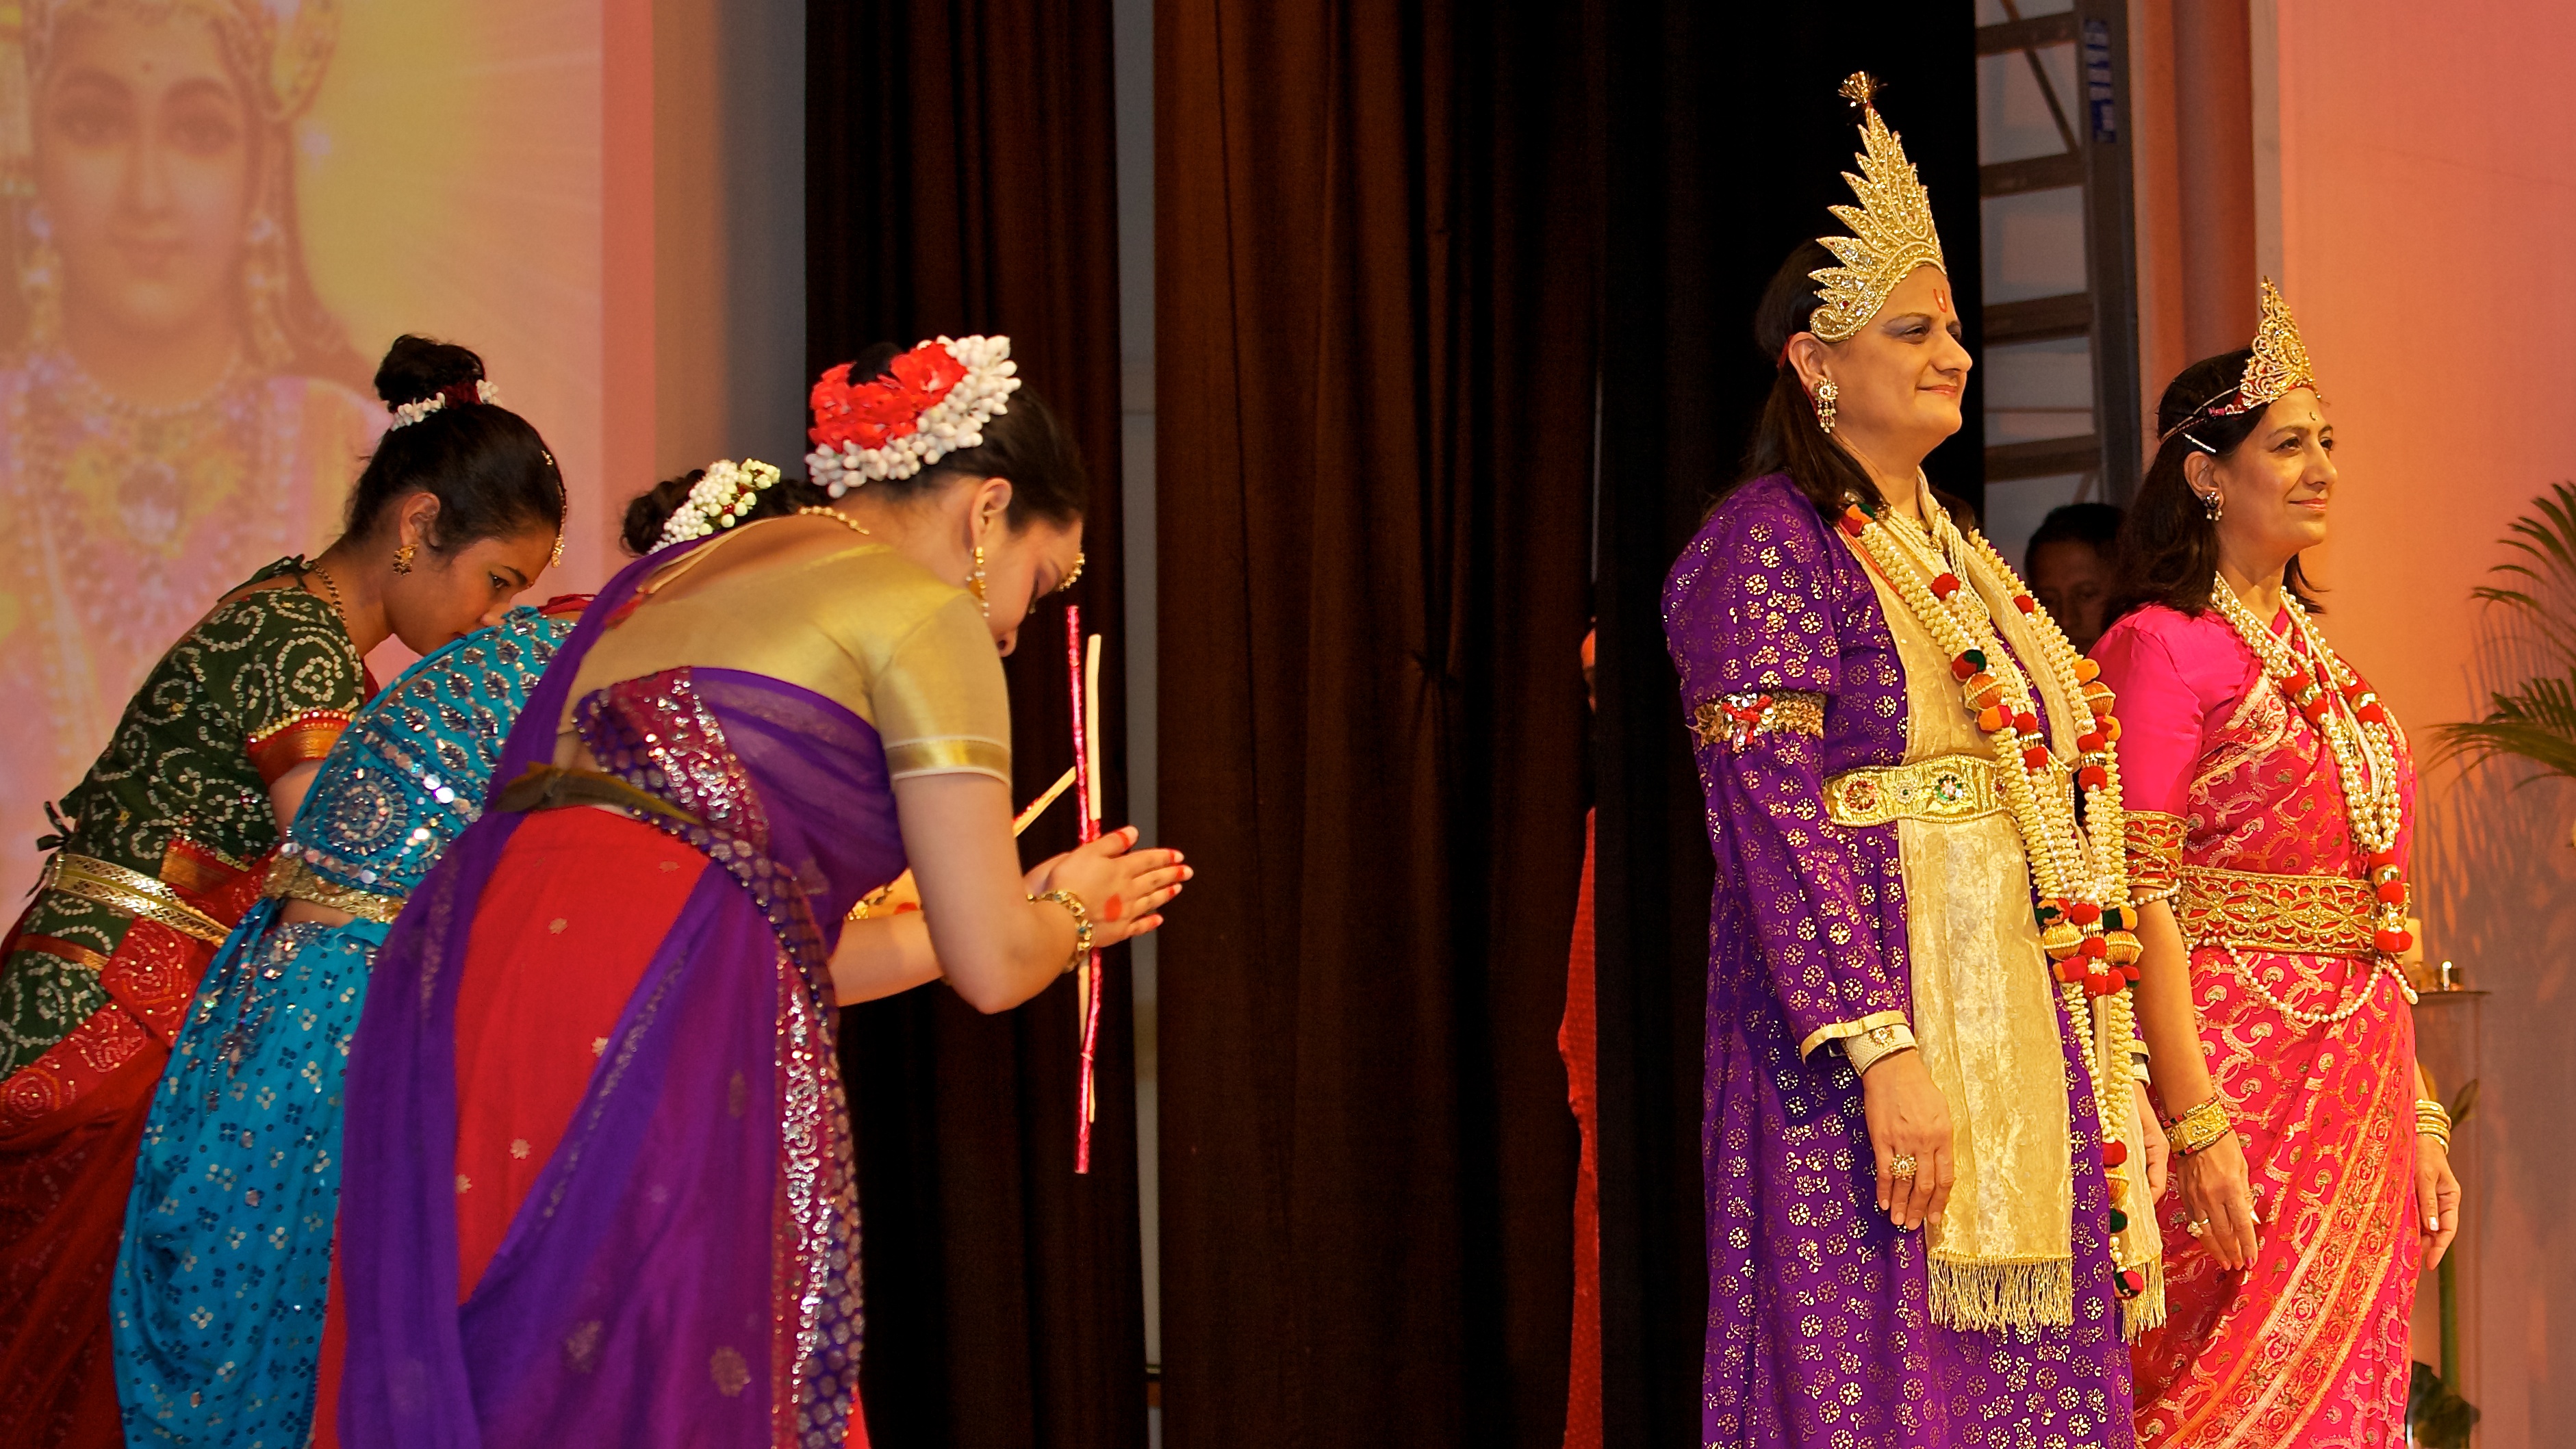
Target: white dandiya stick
<point x="1038" y="806"/>
<point x="1091" y="726"/>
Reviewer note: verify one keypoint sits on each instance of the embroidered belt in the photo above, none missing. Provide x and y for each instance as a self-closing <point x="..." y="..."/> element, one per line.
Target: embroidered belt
<point x="289" y="878"/>
<point x="1945" y="787"/>
<point x="131" y="891"/>
<point x="553" y="787"/>
<point x="2309" y="915"/>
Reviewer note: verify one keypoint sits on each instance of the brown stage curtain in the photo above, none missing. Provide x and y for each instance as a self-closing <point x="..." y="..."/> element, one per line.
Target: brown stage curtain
<point x="1377" y="232"/>
<point x="960" y="179"/>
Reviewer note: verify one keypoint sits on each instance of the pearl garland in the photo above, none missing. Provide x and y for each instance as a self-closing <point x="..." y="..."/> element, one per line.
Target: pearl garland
<point x="2081" y="877"/>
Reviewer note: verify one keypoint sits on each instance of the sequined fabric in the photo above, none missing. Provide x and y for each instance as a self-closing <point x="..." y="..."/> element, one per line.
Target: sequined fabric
<point x="221" y="1284"/>
<point x="657" y="735"/>
<point x="2308" y="1348"/>
<point x="1819" y="1334"/>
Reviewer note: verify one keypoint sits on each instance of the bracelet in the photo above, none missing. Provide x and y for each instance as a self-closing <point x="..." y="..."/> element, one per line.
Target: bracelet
<point x="1876" y="1045"/>
<point x="2196" y="1130"/>
<point x="2433" y="1120"/>
<point x="1081" y="924"/>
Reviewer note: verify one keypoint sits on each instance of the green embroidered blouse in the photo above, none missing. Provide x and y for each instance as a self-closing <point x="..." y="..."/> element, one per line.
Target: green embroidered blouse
<point x="265" y="682"/>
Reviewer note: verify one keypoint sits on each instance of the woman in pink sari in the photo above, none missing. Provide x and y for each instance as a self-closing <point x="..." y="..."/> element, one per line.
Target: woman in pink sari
<point x="2272" y="801"/>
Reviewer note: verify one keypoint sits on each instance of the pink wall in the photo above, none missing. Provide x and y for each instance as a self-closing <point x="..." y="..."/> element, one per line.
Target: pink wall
<point x="2429" y="239"/>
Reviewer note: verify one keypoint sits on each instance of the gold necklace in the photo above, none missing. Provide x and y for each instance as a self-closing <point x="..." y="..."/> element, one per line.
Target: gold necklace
<point x="825" y="510"/>
<point x="327" y="582"/>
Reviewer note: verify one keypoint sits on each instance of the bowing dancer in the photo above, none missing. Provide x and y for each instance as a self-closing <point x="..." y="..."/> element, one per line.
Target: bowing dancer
<point x="1927" y="1175"/>
<point x="2269" y="848"/>
<point x="161" y="849"/>
<point x="222" y="1286"/>
<point x="599" y="1183"/>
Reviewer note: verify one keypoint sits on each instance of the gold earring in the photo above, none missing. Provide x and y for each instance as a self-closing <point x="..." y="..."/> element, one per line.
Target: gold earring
<point x="975" y="583"/>
<point x="1826" y="392"/>
<point x="2213" y="505"/>
<point x="403" y="557"/>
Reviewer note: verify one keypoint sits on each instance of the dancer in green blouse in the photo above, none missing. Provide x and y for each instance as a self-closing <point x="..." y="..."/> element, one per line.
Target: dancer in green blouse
<point x="163" y="846"/>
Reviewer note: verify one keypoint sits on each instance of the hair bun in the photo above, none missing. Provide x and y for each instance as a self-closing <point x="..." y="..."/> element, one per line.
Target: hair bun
<point x="417" y="367"/>
<point x="649" y="510"/>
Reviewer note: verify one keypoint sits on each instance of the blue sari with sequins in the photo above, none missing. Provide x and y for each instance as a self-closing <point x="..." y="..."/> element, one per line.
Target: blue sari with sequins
<point x="221" y="1282"/>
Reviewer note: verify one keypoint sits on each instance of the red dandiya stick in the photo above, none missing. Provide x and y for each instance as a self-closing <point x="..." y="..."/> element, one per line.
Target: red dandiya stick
<point x="1087" y="828"/>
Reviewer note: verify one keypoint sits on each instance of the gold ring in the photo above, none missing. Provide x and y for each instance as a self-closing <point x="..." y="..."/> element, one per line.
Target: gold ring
<point x="1901" y="1165"/>
<point x="2196" y="1227"/>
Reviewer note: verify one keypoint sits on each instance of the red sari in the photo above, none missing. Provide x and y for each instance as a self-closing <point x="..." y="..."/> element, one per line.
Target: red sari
<point x="2236" y="804"/>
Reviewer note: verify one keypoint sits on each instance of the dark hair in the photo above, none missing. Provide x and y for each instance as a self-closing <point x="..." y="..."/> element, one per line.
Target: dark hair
<point x="2169" y="545"/>
<point x="1026" y="445"/>
<point x="1786" y="438"/>
<point x="2094" y="525"/>
<point x="648" y="511"/>
<point x="488" y="469"/>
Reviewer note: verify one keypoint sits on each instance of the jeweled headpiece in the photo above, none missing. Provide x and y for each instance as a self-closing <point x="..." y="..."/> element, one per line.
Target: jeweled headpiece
<point x="930" y="402"/>
<point x="1891" y="229"/>
<point x="2278" y="367"/>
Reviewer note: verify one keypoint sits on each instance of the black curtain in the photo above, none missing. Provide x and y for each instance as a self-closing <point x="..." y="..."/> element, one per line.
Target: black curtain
<point x="1378" y="248"/>
<point x="1726" y="141"/>
<point x="960" y="179"/>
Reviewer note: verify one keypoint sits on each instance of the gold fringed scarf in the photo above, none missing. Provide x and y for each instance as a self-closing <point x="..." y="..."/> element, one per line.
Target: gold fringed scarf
<point x="1986" y="1020"/>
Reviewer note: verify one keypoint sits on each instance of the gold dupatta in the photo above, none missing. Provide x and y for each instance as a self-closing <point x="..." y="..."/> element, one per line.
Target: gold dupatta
<point x="1985" y="1013"/>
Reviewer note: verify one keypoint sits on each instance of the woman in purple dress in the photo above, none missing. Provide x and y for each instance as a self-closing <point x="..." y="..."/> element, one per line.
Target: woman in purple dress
<point x="1927" y="1172"/>
<point x="598" y="1172"/>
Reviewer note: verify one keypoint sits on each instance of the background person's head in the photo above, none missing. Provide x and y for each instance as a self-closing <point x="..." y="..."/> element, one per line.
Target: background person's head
<point x="2072" y="563"/>
<point x="456" y="513"/>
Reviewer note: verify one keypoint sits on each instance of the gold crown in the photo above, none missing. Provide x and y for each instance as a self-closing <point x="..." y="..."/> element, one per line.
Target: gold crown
<point x="2278" y="368"/>
<point x="2279" y="365"/>
<point x="1891" y="229"/>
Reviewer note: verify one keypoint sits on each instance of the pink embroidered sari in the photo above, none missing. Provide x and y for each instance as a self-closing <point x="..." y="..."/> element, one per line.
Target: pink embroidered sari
<point x="2308" y="1348"/>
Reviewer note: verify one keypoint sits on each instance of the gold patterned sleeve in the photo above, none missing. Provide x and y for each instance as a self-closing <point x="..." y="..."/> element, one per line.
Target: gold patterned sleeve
<point x="941" y="705"/>
<point x="2154" y="841"/>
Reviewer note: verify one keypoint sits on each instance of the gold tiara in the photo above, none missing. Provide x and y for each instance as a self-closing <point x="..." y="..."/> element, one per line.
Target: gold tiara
<point x="2278" y="367"/>
<point x="1891" y="229"/>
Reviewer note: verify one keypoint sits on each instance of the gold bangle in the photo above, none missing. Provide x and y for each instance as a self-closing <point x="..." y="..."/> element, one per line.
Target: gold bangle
<point x="2200" y="1128"/>
<point x="1081" y="924"/>
<point x="2433" y="1120"/>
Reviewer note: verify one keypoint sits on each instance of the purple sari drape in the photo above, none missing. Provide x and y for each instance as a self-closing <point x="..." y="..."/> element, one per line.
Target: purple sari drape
<point x="667" y="1215"/>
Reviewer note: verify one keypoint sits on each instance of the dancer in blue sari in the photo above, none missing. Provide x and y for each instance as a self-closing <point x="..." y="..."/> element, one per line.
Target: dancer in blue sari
<point x="220" y="1286"/>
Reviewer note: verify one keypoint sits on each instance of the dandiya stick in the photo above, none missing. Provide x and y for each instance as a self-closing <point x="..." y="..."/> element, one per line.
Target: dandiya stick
<point x="1038" y="806"/>
<point x="1091" y="993"/>
<point x="1087" y="829"/>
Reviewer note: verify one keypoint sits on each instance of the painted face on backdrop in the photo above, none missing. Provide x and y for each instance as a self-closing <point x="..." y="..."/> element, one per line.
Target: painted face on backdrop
<point x="145" y="169"/>
<point x="2273" y="487"/>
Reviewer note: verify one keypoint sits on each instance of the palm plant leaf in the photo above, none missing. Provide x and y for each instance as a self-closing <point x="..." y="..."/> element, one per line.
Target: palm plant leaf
<point x="2536" y="722"/>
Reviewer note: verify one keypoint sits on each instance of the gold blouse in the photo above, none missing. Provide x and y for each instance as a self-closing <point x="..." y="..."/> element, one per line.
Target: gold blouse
<point x="864" y="627"/>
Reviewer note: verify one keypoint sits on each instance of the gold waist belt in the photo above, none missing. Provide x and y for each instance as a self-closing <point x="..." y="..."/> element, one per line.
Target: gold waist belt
<point x="1945" y="787"/>
<point x="2311" y="915"/>
<point x="131" y="891"/>
<point x="291" y="879"/>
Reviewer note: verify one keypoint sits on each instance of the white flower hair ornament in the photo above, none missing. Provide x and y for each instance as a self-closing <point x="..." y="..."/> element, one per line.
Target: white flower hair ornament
<point x="480" y="390"/>
<point x="930" y="402"/>
<point x="721" y="499"/>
